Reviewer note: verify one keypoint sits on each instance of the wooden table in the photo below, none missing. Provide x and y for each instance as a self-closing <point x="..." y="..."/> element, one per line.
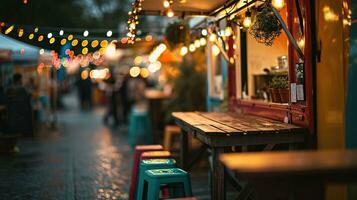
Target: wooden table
<point x="276" y="172"/>
<point x="221" y="130"/>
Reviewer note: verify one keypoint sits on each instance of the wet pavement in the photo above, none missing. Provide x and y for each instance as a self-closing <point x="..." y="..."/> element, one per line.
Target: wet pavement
<point x="81" y="159"/>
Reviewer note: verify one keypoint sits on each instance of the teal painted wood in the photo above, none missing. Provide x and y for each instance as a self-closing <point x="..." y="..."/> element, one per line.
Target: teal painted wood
<point x="139" y="130"/>
<point x="351" y="119"/>
<point x="152" y="164"/>
<point x="152" y="180"/>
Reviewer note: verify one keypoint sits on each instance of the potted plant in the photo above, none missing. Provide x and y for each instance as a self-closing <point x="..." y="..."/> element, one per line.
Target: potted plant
<point x="274" y="89"/>
<point x="279" y="89"/>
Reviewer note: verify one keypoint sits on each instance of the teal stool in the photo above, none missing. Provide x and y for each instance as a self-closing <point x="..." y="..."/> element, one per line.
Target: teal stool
<point x="139" y="128"/>
<point x="176" y="179"/>
<point x="153" y="164"/>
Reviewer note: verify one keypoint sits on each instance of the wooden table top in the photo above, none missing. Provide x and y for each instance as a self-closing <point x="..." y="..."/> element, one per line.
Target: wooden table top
<point x="155" y="94"/>
<point x="340" y="163"/>
<point x="232" y="123"/>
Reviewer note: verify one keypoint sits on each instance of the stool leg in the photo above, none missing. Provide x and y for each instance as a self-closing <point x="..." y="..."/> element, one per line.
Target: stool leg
<point x="154" y="190"/>
<point x="140" y="189"/>
<point x="167" y="141"/>
<point x="187" y="187"/>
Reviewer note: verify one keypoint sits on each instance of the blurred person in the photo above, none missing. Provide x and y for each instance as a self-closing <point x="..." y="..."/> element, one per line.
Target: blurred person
<point x="19" y="109"/>
<point x="124" y="99"/>
<point x="112" y="92"/>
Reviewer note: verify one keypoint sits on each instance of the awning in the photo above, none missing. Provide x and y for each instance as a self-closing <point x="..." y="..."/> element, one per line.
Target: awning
<point x="183" y="7"/>
<point x="21" y="52"/>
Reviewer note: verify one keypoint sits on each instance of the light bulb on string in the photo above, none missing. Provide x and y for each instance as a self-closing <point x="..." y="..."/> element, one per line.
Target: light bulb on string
<point x="8" y="30"/>
<point x="204" y="32"/>
<point x="85" y="33"/>
<point x="109" y="33"/>
<point x="278" y="4"/>
<point x="166" y="4"/>
<point x="197" y="43"/>
<point x="183" y="51"/>
<point x="247" y="22"/>
<point x="213" y="37"/>
<point x="170" y="12"/>
<point x="49" y="35"/>
<point x="61" y="32"/>
<point x="192" y="48"/>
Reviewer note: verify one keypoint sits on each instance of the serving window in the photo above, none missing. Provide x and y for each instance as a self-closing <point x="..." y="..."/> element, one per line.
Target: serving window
<point x="263" y="70"/>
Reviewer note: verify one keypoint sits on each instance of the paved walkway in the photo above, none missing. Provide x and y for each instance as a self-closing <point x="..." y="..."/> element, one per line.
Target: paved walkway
<point x="82" y="159"/>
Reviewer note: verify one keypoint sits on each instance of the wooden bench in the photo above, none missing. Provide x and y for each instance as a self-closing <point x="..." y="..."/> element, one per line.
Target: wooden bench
<point x="292" y="175"/>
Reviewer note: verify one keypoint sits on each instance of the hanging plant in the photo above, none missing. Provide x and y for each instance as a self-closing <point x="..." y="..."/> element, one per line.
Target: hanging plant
<point x="266" y="26"/>
<point x="176" y="33"/>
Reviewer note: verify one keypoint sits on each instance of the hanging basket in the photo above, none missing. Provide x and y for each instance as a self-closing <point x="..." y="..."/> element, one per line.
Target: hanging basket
<point x="176" y="33"/>
<point x="266" y="26"/>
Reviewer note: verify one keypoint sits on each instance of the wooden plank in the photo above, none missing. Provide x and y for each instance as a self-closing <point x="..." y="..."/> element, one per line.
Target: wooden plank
<point x="292" y="163"/>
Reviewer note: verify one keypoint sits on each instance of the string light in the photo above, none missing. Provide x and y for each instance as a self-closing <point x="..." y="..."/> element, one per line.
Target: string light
<point x="247" y="22"/>
<point x="204" y="32"/>
<point x="183" y="51"/>
<point x="42" y="51"/>
<point x="70" y="37"/>
<point x="74" y="42"/>
<point x="109" y="33"/>
<point x="49" y="35"/>
<point x="203" y="41"/>
<point x="52" y="40"/>
<point x="192" y="48"/>
<point x="197" y="43"/>
<point x="8" y="30"/>
<point x="85" y="33"/>
<point x="278" y="4"/>
<point x="40" y="38"/>
<point x="21" y="32"/>
<point x="63" y="41"/>
<point x="95" y="43"/>
<point x="213" y="37"/>
<point x="104" y="43"/>
<point x="61" y="32"/>
<point x="166" y="4"/>
<point x="31" y="36"/>
<point x="84" y="43"/>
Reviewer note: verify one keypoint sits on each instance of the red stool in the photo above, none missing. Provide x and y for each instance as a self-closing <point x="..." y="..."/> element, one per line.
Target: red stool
<point x="155" y="155"/>
<point x="140" y="149"/>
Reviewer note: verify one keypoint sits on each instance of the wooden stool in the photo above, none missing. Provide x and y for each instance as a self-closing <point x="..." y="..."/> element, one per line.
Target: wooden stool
<point x="170" y="132"/>
<point x="139" y="149"/>
<point x="155" y="155"/>
<point x="177" y="180"/>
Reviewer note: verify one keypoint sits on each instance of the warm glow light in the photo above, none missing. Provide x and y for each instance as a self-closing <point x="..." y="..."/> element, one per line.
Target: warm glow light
<point x="42" y="51"/>
<point x="21" y="32"/>
<point x="134" y="71"/>
<point x="203" y="41"/>
<point x="102" y="51"/>
<point x="85" y="51"/>
<point x="132" y="25"/>
<point x="278" y="4"/>
<point x="85" y="33"/>
<point x="40" y="38"/>
<point x="109" y="33"/>
<point x="61" y="32"/>
<point x="110" y="51"/>
<point x="166" y="4"/>
<point x="84" y="74"/>
<point x="197" y="43"/>
<point x="63" y="41"/>
<point x="104" y="43"/>
<point x="228" y="31"/>
<point x="192" y="48"/>
<point x="213" y="37"/>
<point x="144" y="73"/>
<point x="99" y="73"/>
<point x="204" y="32"/>
<point x="52" y="40"/>
<point x="95" y="43"/>
<point x="36" y="30"/>
<point x="156" y="53"/>
<point x="31" y="36"/>
<point x="148" y="38"/>
<point x="183" y="51"/>
<point x="74" y="42"/>
<point x="138" y="60"/>
<point x="170" y="12"/>
<point x="70" y="37"/>
<point x="8" y="30"/>
<point x="247" y="22"/>
<point x="154" y="67"/>
<point x="49" y="35"/>
<point x="84" y="43"/>
<point x="215" y="50"/>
